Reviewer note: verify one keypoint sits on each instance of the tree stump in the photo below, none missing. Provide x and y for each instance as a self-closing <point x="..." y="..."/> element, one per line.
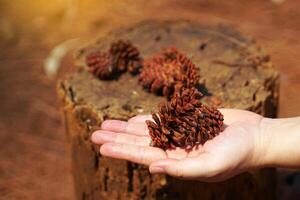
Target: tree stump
<point x="236" y="73"/>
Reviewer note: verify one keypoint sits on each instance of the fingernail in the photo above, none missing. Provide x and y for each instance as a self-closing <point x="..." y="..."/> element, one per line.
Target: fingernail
<point x="157" y="170"/>
<point x="107" y="149"/>
<point x="94" y="136"/>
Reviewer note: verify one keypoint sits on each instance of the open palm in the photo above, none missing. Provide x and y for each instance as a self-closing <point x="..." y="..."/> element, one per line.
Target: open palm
<point x="236" y="149"/>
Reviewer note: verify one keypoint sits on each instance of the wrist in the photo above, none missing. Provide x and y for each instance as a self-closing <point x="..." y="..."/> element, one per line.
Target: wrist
<point x="280" y="138"/>
<point x="266" y="140"/>
<point x="262" y="150"/>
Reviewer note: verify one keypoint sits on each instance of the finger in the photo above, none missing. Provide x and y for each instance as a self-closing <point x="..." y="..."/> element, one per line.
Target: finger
<point x="200" y="168"/>
<point x="136" y="128"/>
<point x="133" y="153"/>
<point x="158" y="167"/>
<point x="114" y="125"/>
<point x="140" y="118"/>
<point x="101" y="137"/>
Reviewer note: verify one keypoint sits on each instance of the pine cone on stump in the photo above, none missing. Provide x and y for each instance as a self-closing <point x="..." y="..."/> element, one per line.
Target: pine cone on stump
<point x="184" y="121"/>
<point x="121" y="57"/>
<point x="100" y="64"/>
<point x="125" y="56"/>
<point x="168" y="71"/>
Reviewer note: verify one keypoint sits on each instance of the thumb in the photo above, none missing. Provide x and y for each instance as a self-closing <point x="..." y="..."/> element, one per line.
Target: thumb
<point x="199" y="168"/>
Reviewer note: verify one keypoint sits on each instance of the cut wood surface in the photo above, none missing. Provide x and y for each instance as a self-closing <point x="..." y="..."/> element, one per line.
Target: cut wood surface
<point x="233" y="69"/>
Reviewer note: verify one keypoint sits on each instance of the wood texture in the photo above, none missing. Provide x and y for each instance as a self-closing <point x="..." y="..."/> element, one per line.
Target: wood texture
<point x="233" y="69"/>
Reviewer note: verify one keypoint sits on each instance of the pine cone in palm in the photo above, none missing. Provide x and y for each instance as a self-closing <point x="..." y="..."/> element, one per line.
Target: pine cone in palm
<point x="184" y="121"/>
<point x="122" y="56"/>
<point x="167" y="72"/>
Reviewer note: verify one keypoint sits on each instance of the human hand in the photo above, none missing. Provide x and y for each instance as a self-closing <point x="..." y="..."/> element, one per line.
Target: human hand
<point x="240" y="147"/>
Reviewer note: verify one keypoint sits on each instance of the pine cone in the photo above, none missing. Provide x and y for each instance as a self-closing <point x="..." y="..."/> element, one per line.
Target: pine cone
<point x="167" y="72"/>
<point x="125" y="56"/>
<point x="184" y="121"/>
<point x="100" y="64"/>
<point x="122" y="56"/>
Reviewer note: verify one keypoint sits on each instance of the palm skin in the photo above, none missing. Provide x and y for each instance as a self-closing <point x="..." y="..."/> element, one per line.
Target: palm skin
<point x="238" y="148"/>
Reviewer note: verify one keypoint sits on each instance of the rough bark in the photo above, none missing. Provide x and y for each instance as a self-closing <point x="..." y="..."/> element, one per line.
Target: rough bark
<point x="233" y="68"/>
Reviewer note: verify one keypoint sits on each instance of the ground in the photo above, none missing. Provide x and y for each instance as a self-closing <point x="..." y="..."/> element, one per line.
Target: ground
<point x="34" y="162"/>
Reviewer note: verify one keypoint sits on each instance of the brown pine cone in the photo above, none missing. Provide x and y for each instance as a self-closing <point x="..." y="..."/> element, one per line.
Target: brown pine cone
<point x="122" y="56"/>
<point x="167" y="72"/>
<point x="125" y="56"/>
<point x="184" y="121"/>
<point x="100" y="64"/>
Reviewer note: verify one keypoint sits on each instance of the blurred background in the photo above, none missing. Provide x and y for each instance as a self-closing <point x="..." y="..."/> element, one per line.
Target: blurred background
<point x="36" y="35"/>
